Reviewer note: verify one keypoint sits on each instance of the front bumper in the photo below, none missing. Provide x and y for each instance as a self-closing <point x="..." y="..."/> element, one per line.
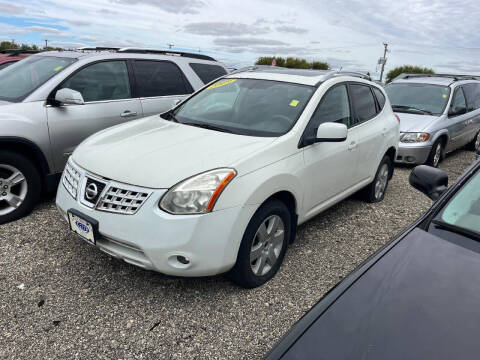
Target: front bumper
<point x="154" y="239"/>
<point x="412" y="153"/>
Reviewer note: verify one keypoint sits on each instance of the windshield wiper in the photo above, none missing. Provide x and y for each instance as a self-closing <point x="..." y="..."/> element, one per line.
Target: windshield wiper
<point x="457" y="229"/>
<point x="411" y="108"/>
<point x="208" y="126"/>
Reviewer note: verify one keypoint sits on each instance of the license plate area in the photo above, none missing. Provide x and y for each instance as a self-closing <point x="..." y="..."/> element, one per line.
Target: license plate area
<point x="84" y="226"/>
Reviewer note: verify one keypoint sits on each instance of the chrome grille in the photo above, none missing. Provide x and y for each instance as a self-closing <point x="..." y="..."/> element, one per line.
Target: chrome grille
<point x="71" y="179"/>
<point x="122" y="200"/>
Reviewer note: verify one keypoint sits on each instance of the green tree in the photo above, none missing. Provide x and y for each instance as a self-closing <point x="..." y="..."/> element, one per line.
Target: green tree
<point x="292" y="63"/>
<point x="408" y="69"/>
<point x="6" y="45"/>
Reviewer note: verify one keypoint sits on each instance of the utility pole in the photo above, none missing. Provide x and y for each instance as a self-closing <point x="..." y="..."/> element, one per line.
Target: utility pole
<point x="46" y="43"/>
<point x="170" y="46"/>
<point x="383" y="60"/>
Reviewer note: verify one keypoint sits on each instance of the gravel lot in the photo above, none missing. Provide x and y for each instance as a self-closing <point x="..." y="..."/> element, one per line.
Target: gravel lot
<point x="79" y="303"/>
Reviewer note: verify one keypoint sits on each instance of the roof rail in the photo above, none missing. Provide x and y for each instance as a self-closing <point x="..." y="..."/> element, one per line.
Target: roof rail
<point x="98" y="48"/>
<point x="358" y="74"/>
<point x="165" y="52"/>
<point x="455" y="77"/>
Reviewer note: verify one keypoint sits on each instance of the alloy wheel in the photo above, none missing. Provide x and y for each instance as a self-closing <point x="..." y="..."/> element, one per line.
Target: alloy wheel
<point x="437" y="155"/>
<point x="382" y="181"/>
<point x="267" y="245"/>
<point x="477" y="142"/>
<point x="13" y="189"/>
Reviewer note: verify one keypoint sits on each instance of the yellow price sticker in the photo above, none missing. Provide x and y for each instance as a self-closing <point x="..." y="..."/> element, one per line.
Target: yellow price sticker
<point x="221" y="83"/>
<point x="58" y="68"/>
<point x="444" y="96"/>
<point x="294" y="103"/>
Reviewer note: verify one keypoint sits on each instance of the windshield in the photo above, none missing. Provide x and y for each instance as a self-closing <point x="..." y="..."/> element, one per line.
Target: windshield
<point x="20" y="79"/>
<point x="422" y="98"/>
<point x="463" y="210"/>
<point x="246" y="106"/>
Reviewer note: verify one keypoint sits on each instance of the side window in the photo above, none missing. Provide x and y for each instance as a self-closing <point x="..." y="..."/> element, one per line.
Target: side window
<point x="380" y="97"/>
<point x="458" y="99"/>
<point x="102" y="81"/>
<point x="159" y="78"/>
<point x="472" y="94"/>
<point x="363" y="102"/>
<point x="333" y="107"/>
<point x="207" y="72"/>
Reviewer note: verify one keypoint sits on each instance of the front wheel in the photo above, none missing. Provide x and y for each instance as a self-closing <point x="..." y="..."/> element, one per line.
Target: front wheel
<point x="375" y="192"/>
<point x="436" y="154"/>
<point x="263" y="245"/>
<point x="20" y="186"/>
<point x="474" y="145"/>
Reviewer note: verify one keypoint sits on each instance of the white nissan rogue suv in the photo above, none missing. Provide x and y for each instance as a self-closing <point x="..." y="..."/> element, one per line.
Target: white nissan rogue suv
<point x="220" y="182"/>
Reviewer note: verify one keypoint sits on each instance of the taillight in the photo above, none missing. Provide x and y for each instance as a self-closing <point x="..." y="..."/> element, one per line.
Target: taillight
<point x="398" y="118"/>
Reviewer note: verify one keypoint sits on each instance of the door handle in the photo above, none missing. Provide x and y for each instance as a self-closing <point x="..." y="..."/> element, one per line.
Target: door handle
<point x="352" y="146"/>
<point x="128" y="113"/>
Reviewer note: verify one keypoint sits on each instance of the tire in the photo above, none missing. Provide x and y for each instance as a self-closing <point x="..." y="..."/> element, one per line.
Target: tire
<point x="20" y="193"/>
<point x="438" y="149"/>
<point x="250" y="273"/>
<point x="375" y="191"/>
<point x="474" y="145"/>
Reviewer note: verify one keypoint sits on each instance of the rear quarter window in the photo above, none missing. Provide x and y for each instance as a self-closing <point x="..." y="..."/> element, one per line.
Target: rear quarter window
<point x="380" y="97"/>
<point x="363" y="102"/>
<point x="207" y="72"/>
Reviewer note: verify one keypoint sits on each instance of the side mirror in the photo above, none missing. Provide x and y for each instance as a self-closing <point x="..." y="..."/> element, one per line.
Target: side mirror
<point x="431" y="181"/>
<point x="331" y="132"/>
<point x="69" y="96"/>
<point x="458" y="110"/>
<point x="478" y="153"/>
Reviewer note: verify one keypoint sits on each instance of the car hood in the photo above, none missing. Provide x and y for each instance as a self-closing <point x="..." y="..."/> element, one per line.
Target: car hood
<point x="155" y="153"/>
<point x="3" y="102"/>
<point x="414" y="122"/>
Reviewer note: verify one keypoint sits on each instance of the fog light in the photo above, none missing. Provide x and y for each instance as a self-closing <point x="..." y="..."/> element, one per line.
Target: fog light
<point x="410" y="159"/>
<point x="183" y="260"/>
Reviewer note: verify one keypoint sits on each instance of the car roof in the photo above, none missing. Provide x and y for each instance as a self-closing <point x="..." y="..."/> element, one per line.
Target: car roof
<point x="425" y="80"/>
<point x="298" y="76"/>
<point x="435" y="79"/>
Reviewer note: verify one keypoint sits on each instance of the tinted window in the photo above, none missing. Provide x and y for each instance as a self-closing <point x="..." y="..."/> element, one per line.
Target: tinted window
<point x="101" y="81"/>
<point x="208" y="72"/>
<point x="472" y="93"/>
<point x="159" y="78"/>
<point x="4" y="65"/>
<point x="408" y="97"/>
<point x="458" y="99"/>
<point x="380" y="97"/>
<point x="363" y="102"/>
<point x="334" y="107"/>
<point x="18" y="80"/>
<point x="246" y="106"/>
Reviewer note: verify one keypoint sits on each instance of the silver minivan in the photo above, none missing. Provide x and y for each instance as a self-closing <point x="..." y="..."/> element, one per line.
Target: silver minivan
<point x="438" y="114"/>
<point x="52" y="101"/>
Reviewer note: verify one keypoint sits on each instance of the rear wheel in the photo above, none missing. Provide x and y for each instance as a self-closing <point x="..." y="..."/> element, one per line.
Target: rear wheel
<point x="263" y="245"/>
<point x="20" y="186"/>
<point x="474" y="145"/>
<point x="436" y="154"/>
<point x="375" y="192"/>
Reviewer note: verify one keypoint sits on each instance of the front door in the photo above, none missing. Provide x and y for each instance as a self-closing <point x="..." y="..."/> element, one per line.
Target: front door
<point x="105" y="88"/>
<point x="457" y="124"/>
<point x="330" y="167"/>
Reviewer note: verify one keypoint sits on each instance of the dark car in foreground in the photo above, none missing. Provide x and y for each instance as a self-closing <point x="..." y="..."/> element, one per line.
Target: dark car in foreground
<point x="416" y="298"/>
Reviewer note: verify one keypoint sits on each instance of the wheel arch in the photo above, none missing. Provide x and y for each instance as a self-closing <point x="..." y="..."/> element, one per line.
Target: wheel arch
<point x="391" y="153"/>
<point x="29" y="150"/>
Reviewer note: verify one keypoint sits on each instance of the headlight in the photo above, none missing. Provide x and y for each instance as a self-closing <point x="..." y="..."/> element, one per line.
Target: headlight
<point x="198" y="194"/>
<point x="414" y="137"/>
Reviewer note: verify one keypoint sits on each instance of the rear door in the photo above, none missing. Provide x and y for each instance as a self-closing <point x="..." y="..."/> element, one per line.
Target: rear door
<point x="105" y="87"/>
<point x="472" y="95"/>
<point x="458" y="124"/>
<point x="368" y="130"/>
<point x="159" y="84"/>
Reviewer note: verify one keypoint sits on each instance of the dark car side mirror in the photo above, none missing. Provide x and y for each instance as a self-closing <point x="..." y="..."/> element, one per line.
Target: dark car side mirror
<point x="457" y="110"/>
<point x="431" y="181"/>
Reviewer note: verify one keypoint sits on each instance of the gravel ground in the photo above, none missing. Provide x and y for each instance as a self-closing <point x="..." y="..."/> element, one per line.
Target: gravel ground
<point x="79" y="303"/>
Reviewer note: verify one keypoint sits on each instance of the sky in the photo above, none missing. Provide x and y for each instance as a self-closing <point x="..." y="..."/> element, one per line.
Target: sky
<point x="443" y="35"/>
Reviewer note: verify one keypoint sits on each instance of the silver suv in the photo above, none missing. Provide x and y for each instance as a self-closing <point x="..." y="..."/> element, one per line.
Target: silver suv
<point x="52" y="101"/>
<point x="438" y="114"/>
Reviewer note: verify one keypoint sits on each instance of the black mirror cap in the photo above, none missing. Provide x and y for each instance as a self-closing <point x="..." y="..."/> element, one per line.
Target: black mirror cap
<point x="459" y="110"/>
<point x="431" y="181"/>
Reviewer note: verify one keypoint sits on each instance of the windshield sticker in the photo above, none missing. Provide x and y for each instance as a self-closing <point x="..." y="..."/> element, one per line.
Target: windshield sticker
<point x="58" y="68"/>
<point x="221" y="83"/>
<point x="294" y="103"/>
<point x="444" y="96"/>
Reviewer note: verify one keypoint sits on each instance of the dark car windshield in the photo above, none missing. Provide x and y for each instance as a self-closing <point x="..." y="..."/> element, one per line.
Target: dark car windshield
<point x="20" y="79"/>
<point x="421" y="98"/>
<point x="246" y="106"/>
<point x="463" y="210"/>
